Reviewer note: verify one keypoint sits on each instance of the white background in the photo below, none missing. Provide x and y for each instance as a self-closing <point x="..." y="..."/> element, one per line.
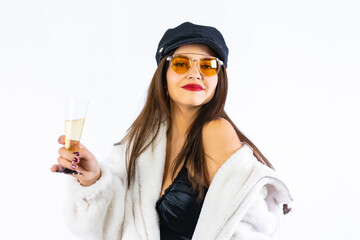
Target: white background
<point x="293" y="90"/>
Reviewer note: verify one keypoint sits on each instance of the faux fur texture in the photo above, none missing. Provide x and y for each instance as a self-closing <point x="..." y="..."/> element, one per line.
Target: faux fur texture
<point x="241" y="202"/>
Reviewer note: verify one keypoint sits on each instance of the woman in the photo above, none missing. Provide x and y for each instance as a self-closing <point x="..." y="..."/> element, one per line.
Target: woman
<point x="184" y="170"/>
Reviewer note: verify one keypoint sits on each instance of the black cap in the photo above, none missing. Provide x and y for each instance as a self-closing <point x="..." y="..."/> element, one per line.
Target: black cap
<point x="187" y="33"/>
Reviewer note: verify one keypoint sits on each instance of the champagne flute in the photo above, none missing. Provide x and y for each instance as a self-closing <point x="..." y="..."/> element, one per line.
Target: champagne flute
<point x="75" y="113"/>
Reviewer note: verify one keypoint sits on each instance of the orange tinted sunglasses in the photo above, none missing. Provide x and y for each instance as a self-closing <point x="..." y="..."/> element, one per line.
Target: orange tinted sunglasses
<point x="208" y="65"/>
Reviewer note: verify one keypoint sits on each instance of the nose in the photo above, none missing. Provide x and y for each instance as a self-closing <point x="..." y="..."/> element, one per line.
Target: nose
<point x="194" y="72"/>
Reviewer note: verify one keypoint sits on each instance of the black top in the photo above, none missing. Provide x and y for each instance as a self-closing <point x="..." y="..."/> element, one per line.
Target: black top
<point x="179" y="209"/>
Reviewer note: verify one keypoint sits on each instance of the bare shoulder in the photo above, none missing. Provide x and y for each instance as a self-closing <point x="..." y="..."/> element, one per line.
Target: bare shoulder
<point x="220" y="141"/>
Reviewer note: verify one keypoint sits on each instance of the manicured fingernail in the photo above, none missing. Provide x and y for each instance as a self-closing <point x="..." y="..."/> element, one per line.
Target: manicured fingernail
<point x="76" y="153"/>
<point x="73" y="166"/>
<point x="75" y="160"/>
<point x="59" y="168"/>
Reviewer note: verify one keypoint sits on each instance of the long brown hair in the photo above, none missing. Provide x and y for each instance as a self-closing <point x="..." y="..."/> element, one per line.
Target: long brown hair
<point x="157" y="111"/>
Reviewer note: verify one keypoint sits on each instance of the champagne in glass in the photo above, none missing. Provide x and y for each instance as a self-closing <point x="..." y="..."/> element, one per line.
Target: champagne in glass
<point x="74" y="122"/>
<point x="73" y="130"/>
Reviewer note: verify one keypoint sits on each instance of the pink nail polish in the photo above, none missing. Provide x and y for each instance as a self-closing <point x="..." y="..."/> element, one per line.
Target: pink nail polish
<point x="73" y="166"/>
<point x="75" y="160"/>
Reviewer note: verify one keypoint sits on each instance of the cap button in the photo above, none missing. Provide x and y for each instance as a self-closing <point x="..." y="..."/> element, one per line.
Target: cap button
<point x="161" y="49"/>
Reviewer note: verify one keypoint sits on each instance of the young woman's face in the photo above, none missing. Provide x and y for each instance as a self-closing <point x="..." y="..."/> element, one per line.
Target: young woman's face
<point x="191" y="89"/>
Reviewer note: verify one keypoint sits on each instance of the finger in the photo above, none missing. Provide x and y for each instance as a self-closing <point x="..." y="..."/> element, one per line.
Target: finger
<point x="81" y="153"/>
<point x="56" y="168"/>
<point x="61" y="139"/>
<point x="73" y="157"/>
<point x="67" y="164"/>
<point x="64" y="163"/>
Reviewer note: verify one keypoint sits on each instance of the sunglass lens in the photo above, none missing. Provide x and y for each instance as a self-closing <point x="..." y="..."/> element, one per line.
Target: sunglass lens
<point x="180" y="64"/>
<point x="209" y="66"/>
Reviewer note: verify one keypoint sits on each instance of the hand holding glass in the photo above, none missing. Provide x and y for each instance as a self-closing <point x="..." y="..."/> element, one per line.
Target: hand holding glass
<point x="75" y="114"/>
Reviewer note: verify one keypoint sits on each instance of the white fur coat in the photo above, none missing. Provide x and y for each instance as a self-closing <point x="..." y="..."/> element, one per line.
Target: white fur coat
<point x="242" y="201"/>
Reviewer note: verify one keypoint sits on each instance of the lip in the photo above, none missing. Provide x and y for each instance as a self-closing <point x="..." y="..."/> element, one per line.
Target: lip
<point x="193" y="87"/>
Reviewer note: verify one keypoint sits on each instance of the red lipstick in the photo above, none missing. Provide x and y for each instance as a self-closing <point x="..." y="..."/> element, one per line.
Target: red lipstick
<point x="193" y="87"/>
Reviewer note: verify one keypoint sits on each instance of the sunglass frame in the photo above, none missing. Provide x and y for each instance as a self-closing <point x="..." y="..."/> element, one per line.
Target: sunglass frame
<point x="191" y="60"/>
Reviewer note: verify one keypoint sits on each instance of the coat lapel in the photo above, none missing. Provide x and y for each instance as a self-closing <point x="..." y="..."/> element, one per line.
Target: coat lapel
<point x="151" y="168"/>
<point x="223" y="196"/>
<point x="231" y="193"/>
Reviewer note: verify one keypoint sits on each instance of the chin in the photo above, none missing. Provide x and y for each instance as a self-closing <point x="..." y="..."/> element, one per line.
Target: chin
<point x="190" y="101"/>
<point x="195" y="104"/>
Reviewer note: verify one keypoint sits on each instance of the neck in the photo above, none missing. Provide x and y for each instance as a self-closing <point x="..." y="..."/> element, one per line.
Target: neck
<point x="181" y="119"/>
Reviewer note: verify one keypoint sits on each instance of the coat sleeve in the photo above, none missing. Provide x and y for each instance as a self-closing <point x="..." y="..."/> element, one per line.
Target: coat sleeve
<point x="97" y="211"/>
<point x="261" y="221"/>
